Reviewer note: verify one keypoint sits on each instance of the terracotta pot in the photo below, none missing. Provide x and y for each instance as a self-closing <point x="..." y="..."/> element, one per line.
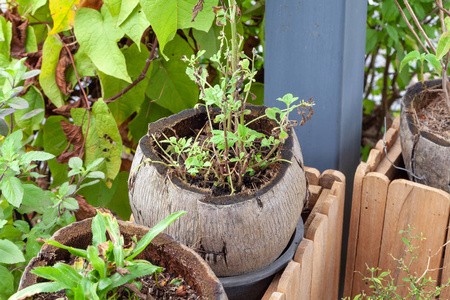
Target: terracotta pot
<point x="235" y="234"/>
<point x="163" y="251"/>
<point x="425" y="154"/>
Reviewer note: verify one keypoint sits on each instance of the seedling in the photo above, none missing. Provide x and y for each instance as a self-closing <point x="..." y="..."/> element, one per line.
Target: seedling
<point x="101" y="268"/>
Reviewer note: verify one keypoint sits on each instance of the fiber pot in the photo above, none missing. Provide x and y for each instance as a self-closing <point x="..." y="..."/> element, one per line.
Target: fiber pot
<point x="235" y="234"/>
<point x="163" y="251"/>
<point x="425" y="154"/>
<point x="252" y="286"/>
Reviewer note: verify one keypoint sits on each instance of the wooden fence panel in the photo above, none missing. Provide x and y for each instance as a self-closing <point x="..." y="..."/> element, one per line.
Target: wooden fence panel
<point x="304" y="256"/>
<point x="317" y="259"/>
<point x="373" y="204"/>
<point x="318" y="233"/>
<point x="425" y="209"/>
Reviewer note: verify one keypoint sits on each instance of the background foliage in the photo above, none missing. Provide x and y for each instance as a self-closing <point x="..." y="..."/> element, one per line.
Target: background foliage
<point x="107" y="69"/>
<point x="388" y="40"/>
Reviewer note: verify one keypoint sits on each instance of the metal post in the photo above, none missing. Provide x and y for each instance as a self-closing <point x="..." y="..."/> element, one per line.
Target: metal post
<point x="316" y="49"/>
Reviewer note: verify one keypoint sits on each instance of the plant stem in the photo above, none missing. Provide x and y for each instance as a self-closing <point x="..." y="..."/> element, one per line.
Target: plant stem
<point x="413" y="15"/>
<point x="412" y="29"/>
<point x="141" y="76"/>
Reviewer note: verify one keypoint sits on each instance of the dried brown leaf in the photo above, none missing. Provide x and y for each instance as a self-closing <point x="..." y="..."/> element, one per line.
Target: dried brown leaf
<point x="94" y="4"/>
<point x="63" y="65"/>
<point x="197" y="8"/>
<point x="19" y="32"/>
<point x="65" y="109"/>
<point x="74" y="136"/>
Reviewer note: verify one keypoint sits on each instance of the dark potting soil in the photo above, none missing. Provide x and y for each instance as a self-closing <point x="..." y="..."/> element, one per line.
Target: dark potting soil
<point x="251" y="183"/>
<point x="167" y="287"/>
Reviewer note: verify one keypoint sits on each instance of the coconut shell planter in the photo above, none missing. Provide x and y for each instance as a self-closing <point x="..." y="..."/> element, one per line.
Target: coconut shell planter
<point x="426" y="154"/>
<point x="163" y="251"/>
<point x="236" y="234"/>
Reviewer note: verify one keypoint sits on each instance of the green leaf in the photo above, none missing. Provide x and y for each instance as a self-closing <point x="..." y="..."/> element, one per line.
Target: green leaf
<point x="23" y="226"/>
<point x="10" y="253"/>
<point x="35" y="156"/>
<point x="148" y="112"/>
<point x="103" y="139"/>
<point x="411" y="56"/>
<point x="12" y="189"/>
<point x="50" y="56"/>
<point x="96" y="262"/>
<point x="99" y="194"/>
<point x="149" y="236"/>
<point x="30" y="42"/>
<point x="126" y="9"/>
<point x="258" y="90"/>
<point x="98" y="230"/>
<point x="443" y="45"/>
<point x="5" y="41"/>
<point x="4" y="127"/>
<point x="166" y="16"/>
<point x="42" y="287"/>
<point x="49" y="273"/>
<point x="431" y="58"/>
<point x="169" y="82"/>
<point x="136" y="270"/>
<point x="72" y="250"/>
<point x="97" y="35"/>
<point x="96" y="174"/>
<point x="135" y="25"/>
<point x="92" y="165"/>
<point x="242" y="131"/>
<point x="11" y="144"/>
<point x="70" y="204"/>
<point x="119" y="202"/>
<point x="392" y="32"/>
<point x="384" y="274"/>
<point x="34" y="199"/>
<point x="71" y="276"/>
<point x="63" y="12"/>
<point x="55" y="142"/>
<point x="75" y="163"/>
<point x="84" y="65"/>
<point x="208" y="40"/>
<point x="125" y="106"/>
<point x="18" y="103"/>
<point x="7" y="280"/>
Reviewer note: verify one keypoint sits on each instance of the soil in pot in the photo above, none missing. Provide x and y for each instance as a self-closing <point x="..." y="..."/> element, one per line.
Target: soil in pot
<point x="177" y="259"/>
<point x="425" y="135"/>
<point x="235" y="234"/>
<point x="167" y="287"/>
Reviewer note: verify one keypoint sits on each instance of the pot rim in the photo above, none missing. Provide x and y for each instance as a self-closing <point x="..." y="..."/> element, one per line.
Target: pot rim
<point x="145" y="144"/>
<point x="406" y="104"/>
<point x="168" y="244"/>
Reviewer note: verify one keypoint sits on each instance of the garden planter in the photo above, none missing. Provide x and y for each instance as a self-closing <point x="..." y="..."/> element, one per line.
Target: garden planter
<point x="384" y="203"/>
<point x="162" y="251"/>
<point x="252" y="286"/>
<point x="425" y="154"/>
<point x="235" y="234"/>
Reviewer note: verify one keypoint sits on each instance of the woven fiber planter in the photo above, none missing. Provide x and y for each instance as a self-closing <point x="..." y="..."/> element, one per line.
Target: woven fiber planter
<point x="235" y="234"/>
<point x="163" y="251"/>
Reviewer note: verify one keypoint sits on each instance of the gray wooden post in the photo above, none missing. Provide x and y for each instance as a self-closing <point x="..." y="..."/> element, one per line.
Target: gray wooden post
<point x="316" y="49"/>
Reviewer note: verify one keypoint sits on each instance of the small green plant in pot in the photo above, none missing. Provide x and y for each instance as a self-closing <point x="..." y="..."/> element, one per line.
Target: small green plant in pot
<point x="234" y="167"/>
<point x="101" y="268"/>
<point x="108" y="268"/>
<point x="425" y="115"/>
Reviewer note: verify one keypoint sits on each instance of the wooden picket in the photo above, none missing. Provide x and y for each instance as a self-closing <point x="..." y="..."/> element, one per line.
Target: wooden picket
<point x="317" y="260"/>
<point x="383" y="204"/>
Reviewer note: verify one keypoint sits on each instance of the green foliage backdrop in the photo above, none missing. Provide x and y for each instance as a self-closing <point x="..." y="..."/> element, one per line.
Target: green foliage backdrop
<point x="107" y="69"/>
